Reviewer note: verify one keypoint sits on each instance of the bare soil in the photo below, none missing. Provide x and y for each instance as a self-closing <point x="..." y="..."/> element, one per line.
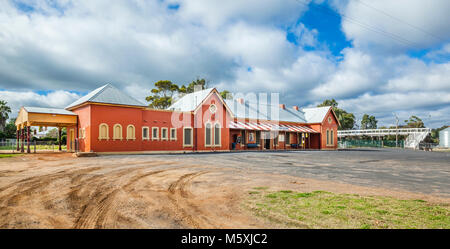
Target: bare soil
<point x="60" y="191"/>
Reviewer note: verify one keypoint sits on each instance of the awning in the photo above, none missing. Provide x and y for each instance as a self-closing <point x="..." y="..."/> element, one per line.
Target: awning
<point x="269" y="127"/>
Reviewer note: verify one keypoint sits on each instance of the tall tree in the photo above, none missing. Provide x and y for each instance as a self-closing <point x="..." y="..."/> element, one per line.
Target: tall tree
<point x="5" y="110"/>
<point x="225" y="93"/>
<point x="162" y="95"/>
<point x="414" y="122"/>
<point x="190" y="88"/>
<point x="347" y="120"/>
<point x="10" y="129"/>
<point x="368" y="122"/>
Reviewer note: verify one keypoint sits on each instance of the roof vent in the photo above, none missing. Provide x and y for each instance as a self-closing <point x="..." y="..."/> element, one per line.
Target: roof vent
<point x="240" y="100"/>
<point x="283" y="106"/>
<point x="295" y="107"/>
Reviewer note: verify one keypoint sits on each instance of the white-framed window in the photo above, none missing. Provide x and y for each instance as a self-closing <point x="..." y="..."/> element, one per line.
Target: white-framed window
<point x="117" y="132"/>
<point x="187" y="136"/>
<point x="281" y="137"/>
<point x="145" y="133"/>
<point x="173" y="134"/>
<point x="328" y="137"/>
<point x="217" y="134"/>
<point x="82" y="133"/>
<point x="103" y="132"/>
<point x="155" y="133"/>
<point x="164" y="133"/>
<point x="131" y="132"/>
<point x="332" y="137"/>
<point x="208" y="134"/>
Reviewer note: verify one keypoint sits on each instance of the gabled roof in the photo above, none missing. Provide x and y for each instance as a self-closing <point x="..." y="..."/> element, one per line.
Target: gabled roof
<point x="190" y="101"/>
<point x="48" y="110"/>
<point x="316" y="114"/>
<point x="107" y="94"/>
<point x="264" y="112"/>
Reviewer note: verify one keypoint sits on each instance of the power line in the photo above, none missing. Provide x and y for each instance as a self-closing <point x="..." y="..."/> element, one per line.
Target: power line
<point x="363" y="25"/>
<point x="400" y="20"/>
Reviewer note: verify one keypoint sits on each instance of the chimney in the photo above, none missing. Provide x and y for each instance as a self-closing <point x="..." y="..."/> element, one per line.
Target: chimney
<point x="295" y="107"/>
<point x="283" y="106"/>
<point x="240" y="100"/>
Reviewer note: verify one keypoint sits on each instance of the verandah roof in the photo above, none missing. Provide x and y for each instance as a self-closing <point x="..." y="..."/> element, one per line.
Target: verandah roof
<point x="269" y="127"/>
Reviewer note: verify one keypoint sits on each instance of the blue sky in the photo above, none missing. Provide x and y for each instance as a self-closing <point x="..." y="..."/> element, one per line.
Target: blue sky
<point x="376" y="57"/>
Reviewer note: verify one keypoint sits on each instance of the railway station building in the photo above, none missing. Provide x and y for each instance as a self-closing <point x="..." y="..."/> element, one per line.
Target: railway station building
<point x="108" y="120"/>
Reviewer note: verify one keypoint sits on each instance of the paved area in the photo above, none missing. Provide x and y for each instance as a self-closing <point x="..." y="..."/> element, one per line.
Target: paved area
<point x="415" y="171"/>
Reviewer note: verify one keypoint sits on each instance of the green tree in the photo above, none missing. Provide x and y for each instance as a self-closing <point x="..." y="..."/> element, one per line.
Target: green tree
<point x="224" y="94"/>
<point x="162" y="95"/>
<point x="414" y="122"/>
<point x="10" y="129"/>
<point x="5" y="110"/>
<point x="368" y="122"/>
<point x="190" y="88"/>
<point x="347" y="120"/>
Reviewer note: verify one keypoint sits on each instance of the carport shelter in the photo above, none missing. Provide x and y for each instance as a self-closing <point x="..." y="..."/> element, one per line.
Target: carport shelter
<point x="37" y="116"/>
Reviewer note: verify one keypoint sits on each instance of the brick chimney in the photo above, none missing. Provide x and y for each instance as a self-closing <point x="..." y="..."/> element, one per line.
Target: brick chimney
<point x="283" y="106"/>
<point x="240" y="100"/>
<point x="295" y="107"/>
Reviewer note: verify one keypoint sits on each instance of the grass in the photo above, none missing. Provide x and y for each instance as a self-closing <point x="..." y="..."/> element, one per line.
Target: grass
<point x="320" y="209"/>
<point x="8" y="155"/>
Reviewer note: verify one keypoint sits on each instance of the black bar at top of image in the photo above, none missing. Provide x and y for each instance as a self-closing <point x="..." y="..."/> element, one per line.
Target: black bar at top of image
<point x="223" y="238"/>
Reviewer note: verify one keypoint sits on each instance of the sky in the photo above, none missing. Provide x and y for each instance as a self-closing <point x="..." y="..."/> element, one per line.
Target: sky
<point x="378" y="57"/>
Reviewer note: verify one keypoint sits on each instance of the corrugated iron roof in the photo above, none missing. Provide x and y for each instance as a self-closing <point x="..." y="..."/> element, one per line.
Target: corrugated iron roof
<point x="107" y="94"/>
<point x="316" y="114"/>
<point x="48" y="110"/>
<point x="190" y="101"/>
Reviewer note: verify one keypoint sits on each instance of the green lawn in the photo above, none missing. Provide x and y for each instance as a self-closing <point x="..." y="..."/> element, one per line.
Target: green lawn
<point x="8" y="155"/>
<point x="320" y="209"/>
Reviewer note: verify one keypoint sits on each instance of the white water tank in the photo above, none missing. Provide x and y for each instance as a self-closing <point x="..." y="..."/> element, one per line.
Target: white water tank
<point x="444" y="138"/>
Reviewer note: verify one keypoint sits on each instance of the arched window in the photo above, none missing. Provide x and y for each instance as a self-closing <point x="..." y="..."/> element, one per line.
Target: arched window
<point x="217" y="134"/>
<point x="103" y="132"/>
<point x="117" y="132"/>
<point x="208" y="130"/>
<point x="328" y="137"/>
<point x="131" y="134"/>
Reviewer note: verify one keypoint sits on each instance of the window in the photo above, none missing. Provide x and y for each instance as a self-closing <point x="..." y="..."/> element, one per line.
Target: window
<point x="288" y="138"/>
<point x="155" y="133"/>
<point x="145" y="133"/>
<point x="281" y="138"/>
<point x="131" y="134"/>
<point x="103" y="132"/>
<point x="187" y="136"/>
<point x="217" y="134"/>
<point x="332" y="137"/>
<point x="208" y="131"/>
<point x="164" y="135"/>
<point x="117" y="132"/>
<point x="81" y="133"/>
<point x="173" y="134"/>
<point x="328" y="136"/>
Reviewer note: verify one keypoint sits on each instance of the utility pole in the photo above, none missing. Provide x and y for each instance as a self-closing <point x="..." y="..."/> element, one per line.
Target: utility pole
<point x="396" y="131"/>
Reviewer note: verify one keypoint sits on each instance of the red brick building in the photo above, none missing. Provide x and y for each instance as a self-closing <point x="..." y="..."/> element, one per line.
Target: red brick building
<point x="111" y="121"/>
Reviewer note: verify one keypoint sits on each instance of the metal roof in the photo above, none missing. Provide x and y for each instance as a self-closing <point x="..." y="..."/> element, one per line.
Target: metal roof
<point x="107" y="94"/>
<point x="48" y="110"/>
<point x="316" y="114"/>
<point x="190" y="101"/>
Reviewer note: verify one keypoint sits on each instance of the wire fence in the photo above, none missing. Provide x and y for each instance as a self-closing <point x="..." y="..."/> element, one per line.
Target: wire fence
<point x="371" y="143"/>
<point x="35" y="146"/>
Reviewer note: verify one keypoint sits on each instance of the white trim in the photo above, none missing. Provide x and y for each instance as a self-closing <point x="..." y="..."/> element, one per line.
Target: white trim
<point x="157" y="132"/>
<point x="148" y="133"/>
<point x="220" y="135"/>
<point x="192" y="137"/>
<point x="173" y="138"/>
<point x="167" y="133"/>
<point x="133" y="136"/>
<point x="100" y="131"/>
<point x="120" y="136"/>
<point x="210" y="135"/>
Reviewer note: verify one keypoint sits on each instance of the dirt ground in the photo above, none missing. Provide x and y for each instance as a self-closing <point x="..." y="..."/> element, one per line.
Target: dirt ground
<point x="61" y="191"/>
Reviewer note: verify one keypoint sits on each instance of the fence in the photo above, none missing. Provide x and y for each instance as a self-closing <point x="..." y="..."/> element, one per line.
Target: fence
<point x="35" y="146"/>
<point x="370" y="143"/>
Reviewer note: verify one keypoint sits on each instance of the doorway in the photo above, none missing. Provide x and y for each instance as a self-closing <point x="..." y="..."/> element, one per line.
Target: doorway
<point x="71" y="140"/>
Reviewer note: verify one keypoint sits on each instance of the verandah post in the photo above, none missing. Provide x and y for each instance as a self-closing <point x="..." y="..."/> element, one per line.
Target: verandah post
<point x="28" y="139"/>
<point x="59" y="138"/>
<point x="18" y="139"/>
<point x="22" y="138"/>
